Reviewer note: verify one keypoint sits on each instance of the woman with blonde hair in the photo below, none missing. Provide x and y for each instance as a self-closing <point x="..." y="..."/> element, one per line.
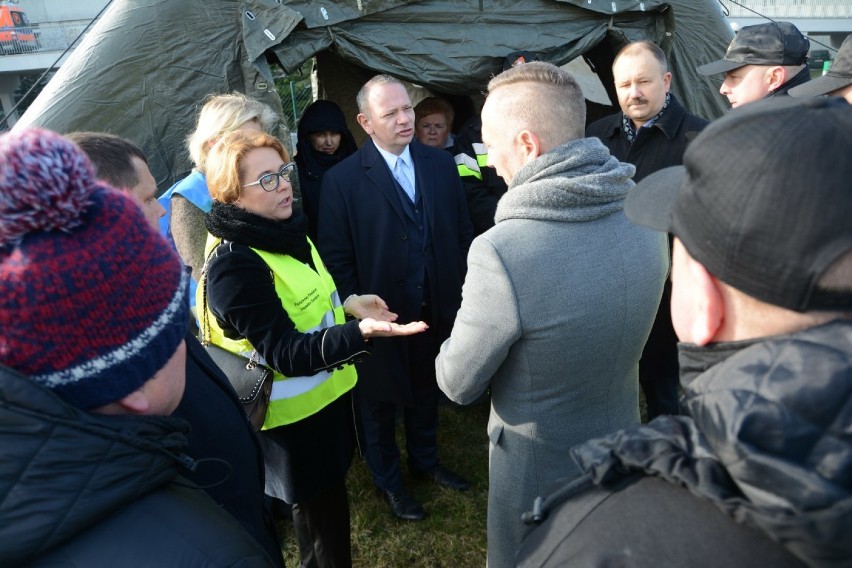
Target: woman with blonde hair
<point x="266" y="292"/>
<point x="188" y="200"/>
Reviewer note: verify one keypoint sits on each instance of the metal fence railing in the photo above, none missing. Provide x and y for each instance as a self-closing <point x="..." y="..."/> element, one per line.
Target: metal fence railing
<point x="58" y="36"/>
<point x="296" y="96"/>
<point x="39" y="37"/>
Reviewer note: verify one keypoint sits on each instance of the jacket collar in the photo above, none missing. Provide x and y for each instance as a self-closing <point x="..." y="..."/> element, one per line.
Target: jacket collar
<point x="799" y="78"/>
<point x="58" y="454"/>
<point x="766" y="440"/>
<point x="669" y="122"/>
<point x="379" y="174"/>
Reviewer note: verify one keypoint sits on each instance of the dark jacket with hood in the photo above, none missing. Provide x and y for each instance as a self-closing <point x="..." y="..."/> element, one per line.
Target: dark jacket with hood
<point x="312" y="165"/>
<point x="760" y="473"/>
<point x="81" y="489"/>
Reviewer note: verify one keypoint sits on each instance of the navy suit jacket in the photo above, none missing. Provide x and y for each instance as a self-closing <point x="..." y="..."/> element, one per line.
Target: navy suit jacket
<point x="364" y="243"/>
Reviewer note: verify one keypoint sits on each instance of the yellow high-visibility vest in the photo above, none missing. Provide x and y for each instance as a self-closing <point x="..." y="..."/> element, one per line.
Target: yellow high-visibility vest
<point x="311" y="300"/>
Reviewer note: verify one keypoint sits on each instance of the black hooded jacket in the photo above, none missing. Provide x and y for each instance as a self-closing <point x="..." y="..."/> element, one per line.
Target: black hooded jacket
<point x="760" y="473"/>
<point x="319" y="116"/>
<point x="80" y="489"/>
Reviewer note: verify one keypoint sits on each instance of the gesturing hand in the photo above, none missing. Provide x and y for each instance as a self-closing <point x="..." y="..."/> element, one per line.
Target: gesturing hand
<point x="372" y="328"/>
<point x="368" y="306"/>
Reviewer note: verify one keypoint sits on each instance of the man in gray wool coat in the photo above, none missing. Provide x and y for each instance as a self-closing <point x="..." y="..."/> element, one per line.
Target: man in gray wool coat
<point x="559" y="296"/>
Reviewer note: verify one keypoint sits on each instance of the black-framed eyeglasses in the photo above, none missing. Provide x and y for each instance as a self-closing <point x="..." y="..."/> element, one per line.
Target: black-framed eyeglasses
<point x="270" y="182"/>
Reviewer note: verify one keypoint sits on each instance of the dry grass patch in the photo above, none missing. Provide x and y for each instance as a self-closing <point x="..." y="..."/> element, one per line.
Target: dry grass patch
<point x="453" y="533"/>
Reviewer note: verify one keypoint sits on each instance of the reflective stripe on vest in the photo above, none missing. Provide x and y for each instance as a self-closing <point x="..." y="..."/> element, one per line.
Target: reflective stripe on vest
<point x="467" y="166"/>
<point x="311" y="301"/>
<point x="481" y="153"/>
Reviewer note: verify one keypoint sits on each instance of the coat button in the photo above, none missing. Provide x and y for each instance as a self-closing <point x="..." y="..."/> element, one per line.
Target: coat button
<point x="404" y="236"/>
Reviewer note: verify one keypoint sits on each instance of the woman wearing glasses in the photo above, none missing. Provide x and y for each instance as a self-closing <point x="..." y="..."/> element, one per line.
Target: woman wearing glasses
<point x="268" y="290"/>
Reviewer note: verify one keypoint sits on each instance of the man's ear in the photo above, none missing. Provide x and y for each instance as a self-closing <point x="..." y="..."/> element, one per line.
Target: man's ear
<point x="364" y="121"/>
<point x="528" y="144"/>
<point x="710" y="308"/>
<point x="135" y="403"/>
<point x="776" y="76"/>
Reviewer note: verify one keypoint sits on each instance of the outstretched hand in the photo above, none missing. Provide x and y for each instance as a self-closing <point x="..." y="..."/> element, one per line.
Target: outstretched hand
<point x="368" y="306"/>
<point x="372" y="328"/>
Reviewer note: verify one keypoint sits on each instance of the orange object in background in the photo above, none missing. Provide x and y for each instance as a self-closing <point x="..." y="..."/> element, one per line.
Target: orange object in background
<point x="16" y="32"/>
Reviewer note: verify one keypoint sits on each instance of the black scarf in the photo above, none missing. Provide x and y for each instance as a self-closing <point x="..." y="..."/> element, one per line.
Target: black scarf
<point x="631" y="131"/>
<point x="229" y="222"/>
<point x="317" y="163"/>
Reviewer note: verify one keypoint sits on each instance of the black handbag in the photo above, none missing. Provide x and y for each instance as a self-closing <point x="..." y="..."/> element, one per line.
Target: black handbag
<point x="251" y="380"/>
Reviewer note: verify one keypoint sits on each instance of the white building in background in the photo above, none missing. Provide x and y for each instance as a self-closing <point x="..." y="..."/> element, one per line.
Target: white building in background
<point x="56" y="24"/>
<point x="829" y="19"/>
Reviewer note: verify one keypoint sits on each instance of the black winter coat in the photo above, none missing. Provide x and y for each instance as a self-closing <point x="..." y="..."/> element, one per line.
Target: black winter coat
<point x="80" y="489"/>
<point x="659" y="146"/>
<point x="321" y="115"/>
<point x="230" y="457"/>
<point x="758" y="474"/>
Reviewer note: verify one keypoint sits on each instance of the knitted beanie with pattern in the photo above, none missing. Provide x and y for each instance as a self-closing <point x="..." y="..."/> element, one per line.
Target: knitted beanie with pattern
<point x="92" y="300"/>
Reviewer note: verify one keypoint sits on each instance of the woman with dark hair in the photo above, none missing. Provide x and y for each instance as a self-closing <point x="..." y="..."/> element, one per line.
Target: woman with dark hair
<point x="324" y="140"/>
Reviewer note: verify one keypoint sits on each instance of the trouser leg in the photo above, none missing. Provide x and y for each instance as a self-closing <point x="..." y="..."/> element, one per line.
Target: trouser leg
<point x="322" y="529"/>
<point x="421" y="433"/>
<point x="380" y="451"/>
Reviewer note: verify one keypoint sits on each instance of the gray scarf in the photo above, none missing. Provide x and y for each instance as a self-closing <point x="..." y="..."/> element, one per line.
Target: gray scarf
<point x="577" y="181"/>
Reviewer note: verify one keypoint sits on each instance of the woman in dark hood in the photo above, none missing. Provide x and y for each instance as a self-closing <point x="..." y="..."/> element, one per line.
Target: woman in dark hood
<point x="324" y="140"/>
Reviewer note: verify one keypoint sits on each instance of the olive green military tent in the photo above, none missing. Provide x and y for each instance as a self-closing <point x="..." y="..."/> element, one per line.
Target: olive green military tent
<point x="145" y="66"/>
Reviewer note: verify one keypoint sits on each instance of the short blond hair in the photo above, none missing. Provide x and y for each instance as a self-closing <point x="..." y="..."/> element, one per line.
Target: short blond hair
<point x="547" y="101"/>
<point x="221" y="114"/>
<point x="224" y="162"/>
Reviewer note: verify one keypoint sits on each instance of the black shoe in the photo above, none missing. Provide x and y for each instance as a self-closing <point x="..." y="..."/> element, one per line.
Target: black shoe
<point x="403" y="505"/>
<point x="446" y="478"/>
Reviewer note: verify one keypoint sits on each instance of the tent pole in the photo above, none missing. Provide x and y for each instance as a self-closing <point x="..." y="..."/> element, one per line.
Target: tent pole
<point x="293" y="102"/>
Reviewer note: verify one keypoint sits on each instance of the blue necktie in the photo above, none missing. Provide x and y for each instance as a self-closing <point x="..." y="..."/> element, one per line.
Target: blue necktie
<point x="402" y="179"/>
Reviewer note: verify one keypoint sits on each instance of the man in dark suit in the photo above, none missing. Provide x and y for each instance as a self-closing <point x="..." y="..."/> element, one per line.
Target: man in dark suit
<point x="393" y="221"/>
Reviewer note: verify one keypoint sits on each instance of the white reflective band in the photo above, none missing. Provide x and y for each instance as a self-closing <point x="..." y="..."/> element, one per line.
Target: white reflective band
<point x="480" y="149"/>
<point x="467" y="161"/>
<point x="294" y="386"/>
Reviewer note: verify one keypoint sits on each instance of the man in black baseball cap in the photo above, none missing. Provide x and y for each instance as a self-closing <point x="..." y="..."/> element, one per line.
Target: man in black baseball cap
<point x="837" y="82"/>
<point x="758" y="471"/>
<point x="762" y="61"/>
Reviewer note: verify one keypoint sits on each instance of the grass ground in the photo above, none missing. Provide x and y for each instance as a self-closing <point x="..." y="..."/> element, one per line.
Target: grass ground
<point x="453" y="534"/>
